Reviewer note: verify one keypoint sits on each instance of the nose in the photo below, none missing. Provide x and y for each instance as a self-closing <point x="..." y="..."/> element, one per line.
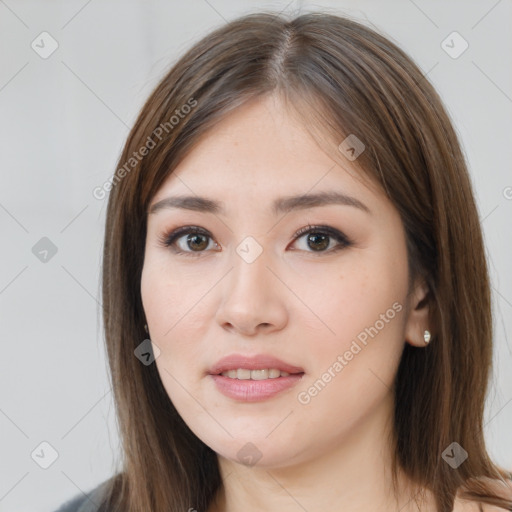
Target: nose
<point x="253" y="299"/>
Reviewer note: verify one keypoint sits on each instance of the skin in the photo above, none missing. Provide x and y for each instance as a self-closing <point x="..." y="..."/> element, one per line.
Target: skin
<point x="300" y="305"/>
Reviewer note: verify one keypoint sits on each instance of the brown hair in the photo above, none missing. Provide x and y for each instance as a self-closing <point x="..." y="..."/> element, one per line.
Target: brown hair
<point x="343" y="78"/>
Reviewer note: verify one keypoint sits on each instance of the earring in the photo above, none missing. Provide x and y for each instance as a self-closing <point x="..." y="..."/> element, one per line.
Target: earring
<point x="146" y="328"/>
<point x="426" y="337"/>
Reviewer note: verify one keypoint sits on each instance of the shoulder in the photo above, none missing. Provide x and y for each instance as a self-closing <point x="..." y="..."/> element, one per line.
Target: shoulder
<point x="89" y="502"/>
<point x="501" y="488"/>
<point x="461" y="505"/>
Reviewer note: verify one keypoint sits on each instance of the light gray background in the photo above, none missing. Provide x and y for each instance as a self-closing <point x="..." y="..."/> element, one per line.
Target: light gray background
<point x="62" y="125"/>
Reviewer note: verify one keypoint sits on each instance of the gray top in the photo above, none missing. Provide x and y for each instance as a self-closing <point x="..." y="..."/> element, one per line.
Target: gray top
<point x="85" y="502"/>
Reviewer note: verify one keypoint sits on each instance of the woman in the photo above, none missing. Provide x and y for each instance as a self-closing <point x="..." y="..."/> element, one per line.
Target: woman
<point x="284" y="225"/>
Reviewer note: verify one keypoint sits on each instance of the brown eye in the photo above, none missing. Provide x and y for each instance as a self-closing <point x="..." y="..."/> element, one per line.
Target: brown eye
<point x="193" y="241"/>
<point x="197" y="242"/>
<point x="187" y="240"/>
<point x="318" y="239"/>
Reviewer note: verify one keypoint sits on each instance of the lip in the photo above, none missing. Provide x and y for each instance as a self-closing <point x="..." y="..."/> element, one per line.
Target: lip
<point x="255" y="362"/>
<point x="253" y="390"/>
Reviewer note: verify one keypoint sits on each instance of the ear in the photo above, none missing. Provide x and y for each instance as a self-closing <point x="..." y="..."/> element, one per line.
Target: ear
<point x="418" y="315"/>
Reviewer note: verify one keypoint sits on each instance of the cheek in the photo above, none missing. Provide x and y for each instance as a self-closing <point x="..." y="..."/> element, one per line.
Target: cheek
<point x="355" y="353"/>
<point x="348" y="296"/>
<point x="176" y="312"/>
<point x="171" y="298"/>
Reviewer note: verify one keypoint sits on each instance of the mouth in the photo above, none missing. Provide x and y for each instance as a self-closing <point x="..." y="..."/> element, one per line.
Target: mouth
<point x="263" y="374"/>
<point x="255" y="367"/>
<point x="254" y="378"/>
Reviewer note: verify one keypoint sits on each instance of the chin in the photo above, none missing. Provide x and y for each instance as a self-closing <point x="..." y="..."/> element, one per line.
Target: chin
<point x="258" y="452"/>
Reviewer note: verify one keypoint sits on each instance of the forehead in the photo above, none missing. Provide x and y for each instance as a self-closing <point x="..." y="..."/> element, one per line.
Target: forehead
<point x="261" y="150"/>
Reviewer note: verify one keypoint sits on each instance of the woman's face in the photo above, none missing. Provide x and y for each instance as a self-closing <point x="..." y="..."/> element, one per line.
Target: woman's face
<point x="238" y="292"/>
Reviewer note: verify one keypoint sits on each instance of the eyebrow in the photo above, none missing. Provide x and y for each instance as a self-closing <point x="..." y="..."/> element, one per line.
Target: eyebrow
<point x="280" y="205"/>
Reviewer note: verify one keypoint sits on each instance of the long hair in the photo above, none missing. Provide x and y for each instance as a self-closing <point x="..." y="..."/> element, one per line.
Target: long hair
<point x="341" y="78"/>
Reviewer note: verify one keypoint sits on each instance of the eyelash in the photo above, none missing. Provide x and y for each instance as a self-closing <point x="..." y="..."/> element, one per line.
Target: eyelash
<point x="169" y="239"/>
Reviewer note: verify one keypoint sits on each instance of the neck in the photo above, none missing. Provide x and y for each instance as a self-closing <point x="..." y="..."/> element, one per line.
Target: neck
<point x="354" y="476"/>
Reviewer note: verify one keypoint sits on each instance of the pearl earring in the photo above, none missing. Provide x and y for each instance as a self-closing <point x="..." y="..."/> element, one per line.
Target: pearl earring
<point x="146" y="328"/>
<point x="426" y="337"/>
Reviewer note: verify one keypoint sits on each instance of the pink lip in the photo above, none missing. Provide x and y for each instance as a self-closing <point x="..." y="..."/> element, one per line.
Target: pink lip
<point x="253" y="390"/>
<point x="256" y="362"/>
